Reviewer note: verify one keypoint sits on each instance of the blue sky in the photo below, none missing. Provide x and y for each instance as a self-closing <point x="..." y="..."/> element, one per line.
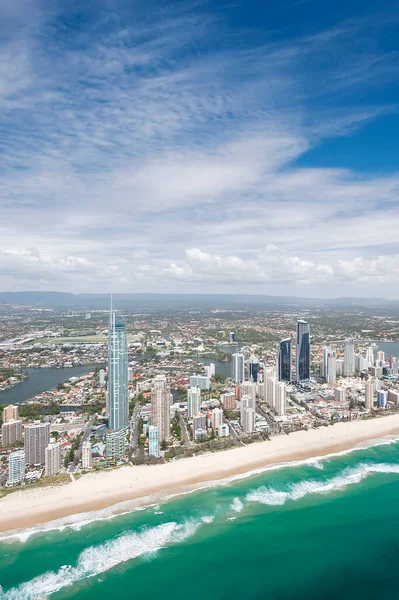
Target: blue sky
<point x="224" y="147"/>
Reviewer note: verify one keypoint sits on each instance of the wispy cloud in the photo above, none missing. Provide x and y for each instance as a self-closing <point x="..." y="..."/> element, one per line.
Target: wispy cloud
<point x="153" y="148"/>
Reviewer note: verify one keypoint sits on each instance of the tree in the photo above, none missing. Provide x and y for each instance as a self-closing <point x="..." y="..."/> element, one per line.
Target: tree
<point x="164" y="445"/>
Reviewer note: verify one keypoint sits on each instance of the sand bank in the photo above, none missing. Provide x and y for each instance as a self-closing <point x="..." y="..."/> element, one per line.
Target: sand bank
<point x="97" y="491"/>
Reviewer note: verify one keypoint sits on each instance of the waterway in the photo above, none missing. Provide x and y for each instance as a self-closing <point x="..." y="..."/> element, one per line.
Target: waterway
<point x="41" y="380"/>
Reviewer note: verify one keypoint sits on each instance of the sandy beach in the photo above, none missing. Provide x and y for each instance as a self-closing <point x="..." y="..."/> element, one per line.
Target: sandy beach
<point x="97" y="491"/>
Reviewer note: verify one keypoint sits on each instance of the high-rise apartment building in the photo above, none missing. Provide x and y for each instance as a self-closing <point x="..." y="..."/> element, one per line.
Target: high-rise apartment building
<point x="247" y="401"/>
<point x="86" y="455"/>
<point x="118" y="399"/>
<point x="248" y="421"/>
<point x="284" y="361"/>
<point x="248" y="388"/>
<point x="16" y="467"/>
<point x="238" y="366"/>
<point x="11" y="432"/>
<point x="302" y="351"/>
<point x="52" y="461"/>
<point x="217" y="418"/>
<point x="10" y="413"/>
<point x="253" y="369"/>
<point x="349" y="358"/>
<point x="193" y="401"/>
<point x="160" y="406"/>
<point x="201" y="381"/>
<point x="36" y="440"/>
<point x="153" y="441"/>
<point x="229" y="400"/>
<point x="382" y="399"/>
<point x="369" y="395"/>
<point x="115" y="443"/>
<point x="280" y="398"/>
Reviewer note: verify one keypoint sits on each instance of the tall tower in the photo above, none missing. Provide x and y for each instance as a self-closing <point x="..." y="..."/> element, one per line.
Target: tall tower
<point x="118" y="400"/>
<point x="284" y="361"/>
<point x="302" y="351"/>
<point x="349" y="358"/>
<point x="36" y="440"/>
<point x="193" y="401"/>
<point x="160" y="406"/>
<point x="238" y="367"/>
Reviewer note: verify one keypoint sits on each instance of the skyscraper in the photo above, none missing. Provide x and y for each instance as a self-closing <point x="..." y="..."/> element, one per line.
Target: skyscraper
<point x="86" y="455"/>
<point x="329" y="365"/>
<point x="253" y="369"/>
<point x="52" y="463"/>
<point x="11" y="432"/>
<point x="238" y="361"/>
<point x="193" y="401"/>
<point x="280" y="398"/>
<point x="160" y="406"/>
<point x="302" y="351"/>
<point x="118" y="400"/>
<point x="284" y="360"/>
<point x="349" y="358"/>
<point x="36" y="439"/>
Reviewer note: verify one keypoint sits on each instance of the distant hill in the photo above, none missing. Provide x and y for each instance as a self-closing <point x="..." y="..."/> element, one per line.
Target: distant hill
<point x="171" y="302"/>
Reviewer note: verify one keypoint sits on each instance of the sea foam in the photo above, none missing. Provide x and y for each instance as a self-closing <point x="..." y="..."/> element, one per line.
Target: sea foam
<point x="98" y="559"/>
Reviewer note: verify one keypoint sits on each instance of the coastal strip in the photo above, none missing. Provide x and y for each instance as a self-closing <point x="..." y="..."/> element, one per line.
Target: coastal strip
<point x="145" y="484"/>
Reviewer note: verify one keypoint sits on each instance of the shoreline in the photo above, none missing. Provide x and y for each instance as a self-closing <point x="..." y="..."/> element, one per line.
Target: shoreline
<point x="157" y="483"/>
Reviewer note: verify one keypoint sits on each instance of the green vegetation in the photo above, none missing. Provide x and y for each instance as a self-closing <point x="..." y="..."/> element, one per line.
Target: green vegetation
<point x="176" y="429"/>
<point x="30" y="411"/>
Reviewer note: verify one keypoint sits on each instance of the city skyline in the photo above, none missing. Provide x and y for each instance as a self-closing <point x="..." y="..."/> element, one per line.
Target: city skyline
<point x="259" y="150"/>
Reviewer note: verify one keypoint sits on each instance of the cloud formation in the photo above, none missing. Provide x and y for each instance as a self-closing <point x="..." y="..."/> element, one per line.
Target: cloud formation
<point x="165" y="150"/>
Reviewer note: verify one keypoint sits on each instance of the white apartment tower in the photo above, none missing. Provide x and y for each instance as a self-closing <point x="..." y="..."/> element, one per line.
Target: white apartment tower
<point x="193" y="401"/>
<point x="16" y="467"/>
<point x="37" y="438"/>
<point x="349" y="358"/>
<point x="11" y="432"/>
<point x="86" y="455"/>
<point x="52" y="461"/>
<point x="369" y="395"/>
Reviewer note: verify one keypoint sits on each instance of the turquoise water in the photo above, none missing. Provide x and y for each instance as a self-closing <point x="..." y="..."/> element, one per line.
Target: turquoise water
<point x="321" y="529"/>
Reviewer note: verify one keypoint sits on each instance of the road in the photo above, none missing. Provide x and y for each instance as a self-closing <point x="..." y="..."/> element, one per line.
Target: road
<point x="133" y="426"/>
<point x="186" y="438"/>
<point x="86" y="436"/>
<point x="274" y="428"/>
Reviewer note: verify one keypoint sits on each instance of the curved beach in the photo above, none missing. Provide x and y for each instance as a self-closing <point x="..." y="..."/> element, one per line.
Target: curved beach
<point x="143" y="484"/>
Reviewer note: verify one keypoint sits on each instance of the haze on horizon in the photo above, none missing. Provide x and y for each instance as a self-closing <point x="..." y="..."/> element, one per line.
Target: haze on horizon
<point x="200" y="147"/>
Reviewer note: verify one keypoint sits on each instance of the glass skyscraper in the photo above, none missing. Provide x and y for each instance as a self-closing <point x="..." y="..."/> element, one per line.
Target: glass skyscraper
<point x="118" y="400"/>
<point x="284" y="361"/>
<point x="302" y="351"/>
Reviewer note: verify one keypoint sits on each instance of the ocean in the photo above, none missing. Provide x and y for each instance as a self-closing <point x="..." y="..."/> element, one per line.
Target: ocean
<point x="323" y="528"/>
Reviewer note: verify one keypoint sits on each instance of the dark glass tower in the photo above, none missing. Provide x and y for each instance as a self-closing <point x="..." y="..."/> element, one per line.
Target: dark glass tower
<point x="302" y="351"/>
<point x="285" y="361"/>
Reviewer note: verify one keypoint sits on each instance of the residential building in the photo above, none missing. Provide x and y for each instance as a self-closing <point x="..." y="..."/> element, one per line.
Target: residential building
<point x="238" y="367"/>
<point x="153" y="441"/>
<point x="284" y="361"/>
<point x="247" y="401"/>
<point x="248" y="424"/>
<point x="382" y="399"/>
<point x="270" y="392"/>
<point x="115" y="444"/>
<point x="201" y="381"/>
<point x="339" y="394"/>
<point x="217" y="418"/>
<point x="86" y="455"/>
<point x="10" y="413"/>
<point x="280" y="398"/>
<point x="248" y="388"/>
<point x="228" y="400"/>
<point x="36" y="440"/>
<point x="101" y="377"/>
<point x="52" y="460"/>
<point x="302" y="351"/>
<point x="369" y="395"/>
<point x="349" y="358"/>
<point x="199" y="422"/>
<point x="160" y="406"/>
<point x="393" y="397"/>
<point x="11" y="432"/>
<point x="16" y="467"/>
<point x="253" y="369"/>
<point x="193" y="401"/>
<point x="223" y="430"/>
<point x="118" y="400"/>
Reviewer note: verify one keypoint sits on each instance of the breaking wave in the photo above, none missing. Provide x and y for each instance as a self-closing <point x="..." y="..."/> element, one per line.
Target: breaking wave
<point x="272" y="497"/>
<point x="98" y="559"/>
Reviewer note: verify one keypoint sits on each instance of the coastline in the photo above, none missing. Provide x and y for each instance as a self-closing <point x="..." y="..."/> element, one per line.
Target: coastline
<point x="156" y="483"/>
